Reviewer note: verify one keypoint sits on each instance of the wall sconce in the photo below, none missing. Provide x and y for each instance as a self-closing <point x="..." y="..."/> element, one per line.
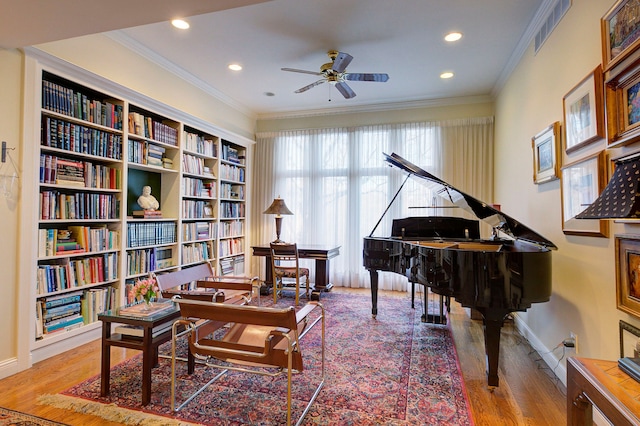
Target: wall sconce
<point x="278" y="207"/>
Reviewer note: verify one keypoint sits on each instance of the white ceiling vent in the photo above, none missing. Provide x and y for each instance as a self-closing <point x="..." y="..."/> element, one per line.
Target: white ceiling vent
<point x="555" y="15"/>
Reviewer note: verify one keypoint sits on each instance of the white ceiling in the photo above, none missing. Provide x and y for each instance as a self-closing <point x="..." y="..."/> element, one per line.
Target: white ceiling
<point x="403" y="38"/>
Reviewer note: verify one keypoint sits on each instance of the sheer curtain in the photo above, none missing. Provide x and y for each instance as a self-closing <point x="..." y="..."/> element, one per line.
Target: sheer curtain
<point x="338" y="185"/>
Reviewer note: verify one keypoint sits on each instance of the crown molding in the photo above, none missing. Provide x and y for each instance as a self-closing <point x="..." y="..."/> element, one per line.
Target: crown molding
<point x="523" y="44"/>
<point x="140" y="49"/>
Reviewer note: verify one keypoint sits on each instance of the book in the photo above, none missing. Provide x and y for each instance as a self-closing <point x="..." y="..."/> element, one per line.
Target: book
<point x="141" y="310"/>
<point x="631" y="366"/>
<point x="147" y="214"/>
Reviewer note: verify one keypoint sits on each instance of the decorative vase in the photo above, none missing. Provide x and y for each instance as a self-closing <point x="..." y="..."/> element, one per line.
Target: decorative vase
<point x="148" y="303"/>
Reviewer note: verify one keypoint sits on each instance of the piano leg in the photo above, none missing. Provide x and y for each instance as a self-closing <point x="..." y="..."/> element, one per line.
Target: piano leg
<point x="373" y="274"/>
<point x="493" y="321"/>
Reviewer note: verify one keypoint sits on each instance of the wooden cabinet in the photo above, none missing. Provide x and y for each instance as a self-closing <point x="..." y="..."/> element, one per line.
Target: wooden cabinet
<point x="601" y="383"/>
<point x="97" y="145"/>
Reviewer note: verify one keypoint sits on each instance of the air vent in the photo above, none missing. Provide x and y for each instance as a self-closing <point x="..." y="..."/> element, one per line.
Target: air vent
<point x="555" y="15"/>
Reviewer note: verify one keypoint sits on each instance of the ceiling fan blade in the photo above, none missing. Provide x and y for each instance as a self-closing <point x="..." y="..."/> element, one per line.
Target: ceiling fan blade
<point x="346" y="91"/>
<point x="309" y="86"/>
<point x="366" y="77"/>
<point x="341" y="62"/>
<point x="302" y="71"/>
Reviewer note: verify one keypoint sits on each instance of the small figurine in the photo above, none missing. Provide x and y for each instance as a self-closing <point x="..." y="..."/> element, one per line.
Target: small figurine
<point x="146" y="200"/>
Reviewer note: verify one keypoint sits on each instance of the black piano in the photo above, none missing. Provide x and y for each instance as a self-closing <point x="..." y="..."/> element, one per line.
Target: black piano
<point x="506" y="272"/>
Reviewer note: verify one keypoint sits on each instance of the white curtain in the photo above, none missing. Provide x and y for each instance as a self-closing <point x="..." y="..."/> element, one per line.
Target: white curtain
<point x="337" y="184"/>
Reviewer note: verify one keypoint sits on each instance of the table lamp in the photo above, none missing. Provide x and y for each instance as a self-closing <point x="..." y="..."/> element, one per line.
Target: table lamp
<point x="278" y="207"/>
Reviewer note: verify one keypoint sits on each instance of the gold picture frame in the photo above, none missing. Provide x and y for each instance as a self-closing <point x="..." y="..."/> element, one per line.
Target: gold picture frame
<point x="582" y="182"/>
<point x="546" y="153"/>
<point x="622" y="93"/>
<point x="620" y="32"/>
<point x="628" y="273"/>
<point x="583" y="112"/>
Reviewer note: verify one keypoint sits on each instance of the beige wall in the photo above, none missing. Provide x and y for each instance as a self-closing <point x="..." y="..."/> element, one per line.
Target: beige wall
<point x="10" y="114"/>
<point x="583" y="299"/>
<point x="443" y="110"/>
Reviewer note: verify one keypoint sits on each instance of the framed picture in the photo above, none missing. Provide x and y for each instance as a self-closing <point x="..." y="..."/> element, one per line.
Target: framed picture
<point x="620" y="32"/>
<point x="583" y="112"/>
<point x="629" y="340"/>
<point x="546" y="166"/>
<point x="623" y="106"/>
<point x="628" y="274"/>
<point x="208" y="210"/>
<point x="582" y="182"/>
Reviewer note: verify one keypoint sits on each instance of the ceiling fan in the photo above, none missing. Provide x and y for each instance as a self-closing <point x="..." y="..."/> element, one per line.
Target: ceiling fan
<point x="334" y="72"/>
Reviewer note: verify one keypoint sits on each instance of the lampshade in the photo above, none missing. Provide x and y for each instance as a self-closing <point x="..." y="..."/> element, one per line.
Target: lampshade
<point x="620" y="199"/>
<point x="277" y="207"/>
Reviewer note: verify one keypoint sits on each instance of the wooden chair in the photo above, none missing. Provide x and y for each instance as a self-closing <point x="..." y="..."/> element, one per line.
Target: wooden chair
<point x="285" y="265"/>
<point x="258" y="340"/>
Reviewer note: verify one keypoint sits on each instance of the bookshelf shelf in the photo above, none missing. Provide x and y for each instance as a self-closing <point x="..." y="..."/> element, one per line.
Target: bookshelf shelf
<point x="99" y="145"/>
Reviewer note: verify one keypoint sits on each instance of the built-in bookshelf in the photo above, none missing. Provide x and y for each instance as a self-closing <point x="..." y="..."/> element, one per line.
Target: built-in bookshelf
<point x="232" y="209"/>
<point x="80" y="200"/>
<point x="97" y="150"/>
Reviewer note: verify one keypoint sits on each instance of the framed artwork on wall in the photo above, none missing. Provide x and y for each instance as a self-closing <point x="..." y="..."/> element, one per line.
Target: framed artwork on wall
<point x="582" y="182"/>
<point x="583" y="112"/>
<point x="620" y="32"/>
<point x="545" y="144"/>
<point x="628" y="273"/>
<point x="623" y="106"/>
<point x="629" y="338"/>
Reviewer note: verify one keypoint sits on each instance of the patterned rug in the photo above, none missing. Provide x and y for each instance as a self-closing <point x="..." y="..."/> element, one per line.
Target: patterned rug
<point x="393" y="370"/>
<point x="16" y="418"/>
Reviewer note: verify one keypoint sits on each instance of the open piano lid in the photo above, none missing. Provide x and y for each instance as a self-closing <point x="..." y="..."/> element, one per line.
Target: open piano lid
<point x="481" y="210"/>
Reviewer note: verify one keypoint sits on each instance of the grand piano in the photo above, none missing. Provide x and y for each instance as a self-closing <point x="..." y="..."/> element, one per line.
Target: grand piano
<point x="503" y="273"/>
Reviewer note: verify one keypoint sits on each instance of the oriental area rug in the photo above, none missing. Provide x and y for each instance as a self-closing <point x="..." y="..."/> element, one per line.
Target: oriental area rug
<point x="392" y="370"/>
<point x="16" y="418"/>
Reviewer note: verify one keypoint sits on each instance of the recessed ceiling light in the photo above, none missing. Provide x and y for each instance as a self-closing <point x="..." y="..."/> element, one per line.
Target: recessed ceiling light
<point x="453" y="36"/>
<point x="180" y="23"/>
<point x="269" y="94"/>
<point x="446" y="75"/>
<point x="235" y="67"/>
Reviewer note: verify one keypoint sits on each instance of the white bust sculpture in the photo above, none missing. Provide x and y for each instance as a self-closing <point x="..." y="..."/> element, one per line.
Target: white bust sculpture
<point x="146" y="200"/>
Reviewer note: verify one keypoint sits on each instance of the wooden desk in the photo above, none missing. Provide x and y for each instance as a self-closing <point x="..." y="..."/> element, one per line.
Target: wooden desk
<point x="321" y="254"/>
<point x="601" y="383"/>
<point x="148" y="344"/>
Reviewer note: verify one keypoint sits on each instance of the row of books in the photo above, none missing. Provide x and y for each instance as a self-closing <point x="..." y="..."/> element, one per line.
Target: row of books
<point x="149" y="128"/>
<point x="230" y="210"/>
<point x="89" y="239"/>
<point x="193" y="187"/>
<point x="201" y="144"/>
<point x="198" y="231"/>
<point x="143" y="152"/>
<point x="232" y="265"/>
<point x="196" y="209"/>
<point x="231" y="228"/>
<point x="79" y="205"/>
<point x="230" y="246"/>
<point x="59" y="313"/>
<point x="140" y="234"/>
<point x="197" y="252"/>
<point x="234" y="191"/>
<point x="229" y="153"/>
<point x="71" y="273"/>
<point x="231" y="172"/>
<point x="65" y="171"/>
<point x="195" y="165"/>
<point x="73" y="137"/>
<point x="67" y="101"/>
<point x="143" y="261"/>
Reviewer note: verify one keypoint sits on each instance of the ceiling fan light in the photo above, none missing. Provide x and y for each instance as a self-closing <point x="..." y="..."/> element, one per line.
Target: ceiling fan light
<point x="453" y="36"/>
<point x="180" y="23"/>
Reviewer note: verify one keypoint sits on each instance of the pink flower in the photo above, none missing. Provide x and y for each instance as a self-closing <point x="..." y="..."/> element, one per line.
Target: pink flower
<point x="146" y="289"/>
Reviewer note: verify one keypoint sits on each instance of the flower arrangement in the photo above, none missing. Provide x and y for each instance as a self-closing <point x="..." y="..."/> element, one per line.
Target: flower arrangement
<point x="147" y="289"/>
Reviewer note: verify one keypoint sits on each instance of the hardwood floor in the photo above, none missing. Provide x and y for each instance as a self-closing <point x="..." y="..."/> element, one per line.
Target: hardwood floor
<point x="528" y="393"/>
